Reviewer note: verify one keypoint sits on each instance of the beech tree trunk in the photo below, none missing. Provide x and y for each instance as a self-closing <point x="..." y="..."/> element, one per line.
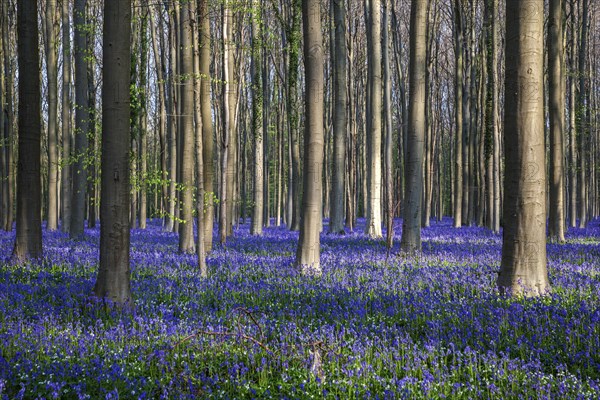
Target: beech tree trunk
<point x="523" y="267"/>
<point x="336" y="217"/>
<point x="411" y="226"/>
<point x="458" y="114"/>
<point x="257" y="123"/>
<point x="308" y="252"/>
<point x="207" y="126"/>
<point x="556" y="88"/>
<point x="52" y="77"/>
<point x="28" y="240"/>
<point x="81" y="122"/>
<point x="374" y="97"/>
<point x="7" y="127"/>
<point x="186" y="126"/>
<point x="66" y="182"/>
<point x="113" y="281"/>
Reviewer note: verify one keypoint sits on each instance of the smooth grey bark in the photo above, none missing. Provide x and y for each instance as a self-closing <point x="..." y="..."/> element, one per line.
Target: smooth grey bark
<point x="198" y="139"/>
<point x="66" y="177"/>
<point x="51" y="24"/>
<point x="81" y="122"/>
<point x="374" y="99"/>
<point x="339" y="55"/>
<point x="226" y="124"/>
<point x="186" y="126"/>
<point x="411" y="225"/>
<point x="308" y="252"/>
<point x="28" y="240"/>
<point x="523" y="268"/>
<point x="207" y="126"/>
<point x="143" y="117"/>
<point x="232" y="150"/>
<point x="113" y="281"/>
<point x="257" y="123"/>
<point x="582" y="131"/>
<point x="160" y="68"/>
<point x="556" y="89"/>
<point x="387" y="114"/>
<point x="458" y="114"/>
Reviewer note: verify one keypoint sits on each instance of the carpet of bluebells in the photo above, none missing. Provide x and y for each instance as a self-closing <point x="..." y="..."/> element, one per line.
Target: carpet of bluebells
<point x="375" y="325"/>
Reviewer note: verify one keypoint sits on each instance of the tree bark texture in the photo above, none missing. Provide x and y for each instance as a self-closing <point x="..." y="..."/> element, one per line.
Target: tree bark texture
<point x="523" y="267"/>
<point x="28" y="241"/>
<point x="308" y="253"/>
<point x="113" y="281"/>
<point x="411" y="226"/>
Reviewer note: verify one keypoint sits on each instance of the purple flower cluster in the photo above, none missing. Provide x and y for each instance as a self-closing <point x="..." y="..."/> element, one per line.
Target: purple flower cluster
<point x="381" y="326"/>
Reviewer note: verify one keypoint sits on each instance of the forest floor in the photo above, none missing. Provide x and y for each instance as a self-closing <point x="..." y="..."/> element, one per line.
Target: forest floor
<point x="370" y="327"/>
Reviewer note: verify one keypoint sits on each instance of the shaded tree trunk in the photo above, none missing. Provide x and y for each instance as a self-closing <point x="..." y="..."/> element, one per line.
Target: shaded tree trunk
<point x="336" y="217"/>
<point x="207" y="126"/>
<point x="81" y="121"/>
<point x="556" y="87"/>
<point x="113" y="281"/>
<point x="28" y="240"/>
<point x="411" y="226"/>
<point x="458" y="114"/>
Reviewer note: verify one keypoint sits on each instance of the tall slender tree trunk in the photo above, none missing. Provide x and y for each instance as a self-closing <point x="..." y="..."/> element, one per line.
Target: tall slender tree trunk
<point x="336" y="217"/>
<point x="113" y="281"/>
<point x="582" y="131"/>
<point x="458" y="114"/>
<point x="52" y="77"/>
<point x="411" y="226"/>
<point x="226" y="123"/>
<point x="92" y="145"/>
<point x="293" y="114"/>
<point x="523" y="267"/>
<point x="162" y="106"/>
<point x="373" y="224"/>
<point x="81" y="121"/>
<point x="186" y="125"/>
<point x="572" y="121"/>
<point x="66" y="178"/>
<point x="556" y="87"/>
<point x="143" y="117"/>
<point x="308" y="252"/>
<point x="28" y="241"/>
<point x="7" y="127"/>
<point x="198" y="139"/>
<point x="232" y="147"/>
<point x="207" y="126"/>
<point x="257" y="122"/>
<point x="387" y="113"/>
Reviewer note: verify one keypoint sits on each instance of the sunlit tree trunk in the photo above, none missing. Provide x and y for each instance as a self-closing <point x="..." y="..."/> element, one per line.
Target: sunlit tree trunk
<point x="52" y="77"/>
<point x="458" y="114"/>
<point x="9" y="181"/>
<point x="374" y="97"/>
<point x="66" y="178"/>
<point x="207" y="126"/>
<point x="387" y="117"/>
<point x="523" y="267"/>
<point x="411" y="226"/>
<point x="186" y="126"/>
<point x="308" y="252"/>
<point x="582" y="131"/>
<point x="28" y="240"/>
<point x="143" y="117"/>
<point x="257" y="123"/>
